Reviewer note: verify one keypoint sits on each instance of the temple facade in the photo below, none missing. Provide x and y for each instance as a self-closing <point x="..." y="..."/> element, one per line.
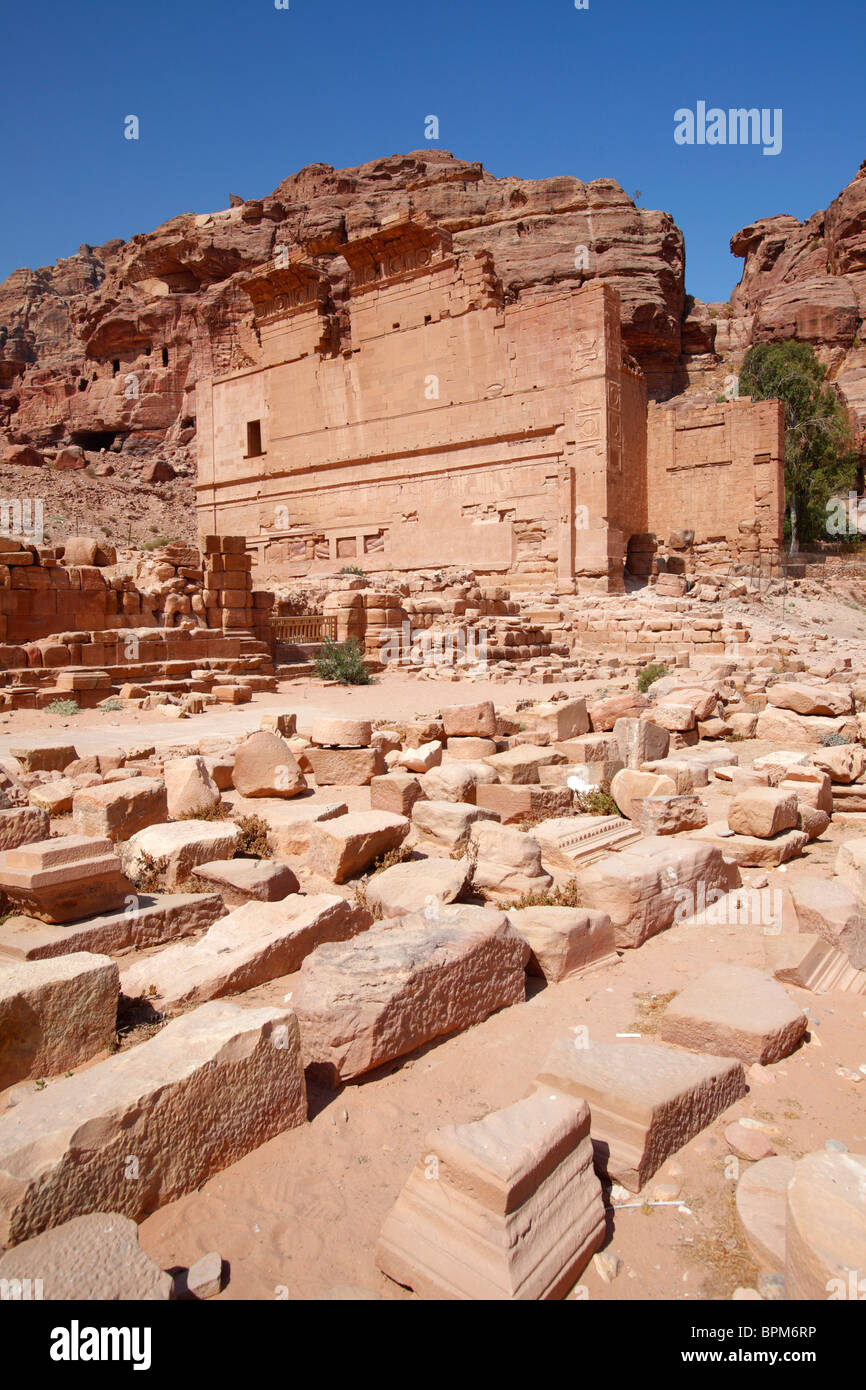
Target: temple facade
<point x="422" y="420"/>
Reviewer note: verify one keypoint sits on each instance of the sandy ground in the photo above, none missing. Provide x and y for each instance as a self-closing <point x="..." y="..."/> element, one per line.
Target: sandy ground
<point x="394" y="695"/>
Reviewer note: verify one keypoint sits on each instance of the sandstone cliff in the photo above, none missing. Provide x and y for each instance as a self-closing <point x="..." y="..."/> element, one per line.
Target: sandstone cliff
<point x="103" y="349"/>
<point x="804" y="280"/>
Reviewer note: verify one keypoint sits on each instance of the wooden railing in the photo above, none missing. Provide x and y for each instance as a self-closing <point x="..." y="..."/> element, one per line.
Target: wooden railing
<point x="305" y="628"/>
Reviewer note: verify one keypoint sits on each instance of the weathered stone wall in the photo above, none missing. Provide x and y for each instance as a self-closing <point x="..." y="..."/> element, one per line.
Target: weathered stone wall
<point x="430" y="424"/>
<point x="42" y="595"/>
<point x="718" y="471"/>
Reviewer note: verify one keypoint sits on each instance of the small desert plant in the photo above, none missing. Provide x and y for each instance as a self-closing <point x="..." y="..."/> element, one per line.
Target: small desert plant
<point x="352" y="569"/>
<point x="63" y="707"/>
<point x="567" y="896"/>
<point x="109" y="706"/>
<point x="833" y="740"/>
<point x="342" y="662"/>
<point x="148" y="873"/>
<point x="360" y="891"/>
<point x="158" y="542"/>
<point x="255" y="842"/>
<point x="653" y="672"/>
<point x="400" y="855"/>
<point x="595" y="801"/>
<point x="221" y="811"/>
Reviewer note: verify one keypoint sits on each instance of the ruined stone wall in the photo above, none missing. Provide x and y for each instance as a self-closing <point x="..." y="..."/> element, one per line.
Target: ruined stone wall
<point x="43" y="595"/>
<point x="717" y="471"/>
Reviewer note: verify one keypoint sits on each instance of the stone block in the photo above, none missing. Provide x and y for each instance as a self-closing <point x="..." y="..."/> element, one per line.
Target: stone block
<point x="513" y="803"/>
<point x="629" y="788"/>
<point x="118" y="810"/>
<point x="183" y="844"/>
<point x="240" y="881"/>
<point x="346" y="767"/>
<point x="418" y="885"/>
<point x="515" y="1212"/>
<point x="561" y="719"/>
<point x="844" y="763"/>
<point x="446" y="825"/>
<point x="49" y="757"/>
<point x="190" y="789"/>
<point x="457" y="781"/>
<point x="347" y="845"/>
<point x="252" y="945"/>
<point x="748" y="851"/>
<point x="603" y="714"/>
<point x="475" y="721"/>
<point x="828" y="908"/>
<point x="564" y="941"/>
<point x="205" y="1090"/>
<point x="763" y="812"/>
<point x="266" y="766"/>
<point x="670" y="815"/>
<point x="64" y="879"/>
<point x="825" y="1228"/>
<point x="738" y="1011"/>
<point x="646" y="1101"/>
<point x="832" y="700"/>
<point x="404" y="983"/>
<point x="23" y="825"/>
<point x="55" y="1014"/>
<point x="93" y="1258"/>
<point x="521" y="764"/>
<point x="290" y="822"/>
<point x="761" y="1207"/>
<point x="507" y="862"/>
<point x="396" y="792"/>
<point x="645" y="886"/>
<point x="55" y="798"/>
<point x="640" y="740"/>
<point x="422" y="759"/>
<point x="146" y="920"/>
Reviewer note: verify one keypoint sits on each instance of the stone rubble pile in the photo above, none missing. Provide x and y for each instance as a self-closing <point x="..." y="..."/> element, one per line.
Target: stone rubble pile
<point x="497" y="848"/>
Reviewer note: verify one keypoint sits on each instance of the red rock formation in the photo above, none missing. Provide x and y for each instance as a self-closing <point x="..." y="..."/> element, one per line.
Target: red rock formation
<point x="103" y="349"/>
<point x="803" y="280"/>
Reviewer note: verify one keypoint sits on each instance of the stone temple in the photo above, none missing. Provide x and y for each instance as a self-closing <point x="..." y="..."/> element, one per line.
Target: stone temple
<point x="428" y="421"/>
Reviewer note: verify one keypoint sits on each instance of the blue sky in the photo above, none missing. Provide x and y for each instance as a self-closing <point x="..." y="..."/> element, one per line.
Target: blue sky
<point x="232" y="97"/>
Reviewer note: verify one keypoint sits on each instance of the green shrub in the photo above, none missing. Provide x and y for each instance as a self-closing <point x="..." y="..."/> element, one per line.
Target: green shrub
<point x="595" y="801"/>
<point x="342" y="662"/>
<point x="821" y="459"/>
<point x="110" y="705"/>
<point x="833" y="740"/>
<point x="63" y="707"/>
<point x="653" y="672"/>
<point x="352" y="569"/>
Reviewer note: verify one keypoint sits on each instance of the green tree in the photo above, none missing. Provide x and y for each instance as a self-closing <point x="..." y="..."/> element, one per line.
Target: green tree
<point x="820" y="459"/>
